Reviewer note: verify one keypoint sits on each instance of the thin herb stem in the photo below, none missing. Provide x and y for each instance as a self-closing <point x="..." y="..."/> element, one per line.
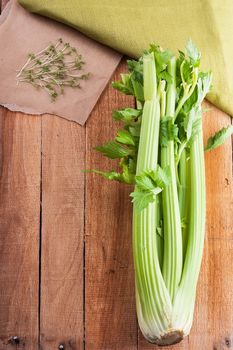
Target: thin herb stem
<point x="49" y="69"/>
<point x="188" y="90"/>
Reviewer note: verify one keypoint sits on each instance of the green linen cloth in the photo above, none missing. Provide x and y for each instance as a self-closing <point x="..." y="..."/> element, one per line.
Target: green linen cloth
<point x="129" y="26"/>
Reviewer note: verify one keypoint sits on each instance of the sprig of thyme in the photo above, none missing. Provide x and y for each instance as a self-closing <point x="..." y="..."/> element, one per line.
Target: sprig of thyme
<point x="54" y="68"/>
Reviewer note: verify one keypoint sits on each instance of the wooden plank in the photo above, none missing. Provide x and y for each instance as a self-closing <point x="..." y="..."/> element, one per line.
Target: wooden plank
<point x="19" y="230"/>
<point x="145" y="345"/>
<point x="61" y="321"/>
<point x="110" y="307"/>
<point x="2" y="112"/>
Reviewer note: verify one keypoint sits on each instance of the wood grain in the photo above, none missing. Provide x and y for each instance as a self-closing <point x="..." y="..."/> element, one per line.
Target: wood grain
<point x="109" y="280"/>
<point x="19" y="230"/>
<point x="61" y="314"/>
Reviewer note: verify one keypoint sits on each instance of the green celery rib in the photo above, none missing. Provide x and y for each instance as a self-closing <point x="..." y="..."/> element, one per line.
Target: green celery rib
<point x="184" y="193"/>
<point x="158" y="213"/>
<point x="185" y="298"/>
<point x="172" y="262"/>
<point x="152" y="298"/>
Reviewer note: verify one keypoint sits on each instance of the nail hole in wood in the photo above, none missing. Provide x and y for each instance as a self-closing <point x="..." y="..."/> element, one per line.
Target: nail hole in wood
<point x="14" y="340"/>
<point x="228" y="342"/>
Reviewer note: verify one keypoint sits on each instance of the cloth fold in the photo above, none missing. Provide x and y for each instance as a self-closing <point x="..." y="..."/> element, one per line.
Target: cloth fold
<point x="129" y="26"/>
<point x="21" y="33"/>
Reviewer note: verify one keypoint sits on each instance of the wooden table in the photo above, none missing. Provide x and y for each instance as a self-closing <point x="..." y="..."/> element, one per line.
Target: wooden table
<point x="66" y="272"/>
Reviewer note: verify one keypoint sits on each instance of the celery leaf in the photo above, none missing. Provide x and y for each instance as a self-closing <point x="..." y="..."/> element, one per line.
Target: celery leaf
<point x="125" y="138"/>
<point x="164" y="75"/>
<point x="145" y="182"/>
<point x="148" y="185"/>
<point x="113" y="150"/>
<point x="135" y="130"/>
<point x="124" y="85"/>
<point x="114" y="175"/>
<point x="168" y="131"/>
<point x="219" y="138"/>
<point x="193" y="53"/>
<point x="110" y="175"/>
<point x="204" y="85"/>
<point x="162" y="176"/>
<point x="127" y="115"/>
<point x="141" y="199"/>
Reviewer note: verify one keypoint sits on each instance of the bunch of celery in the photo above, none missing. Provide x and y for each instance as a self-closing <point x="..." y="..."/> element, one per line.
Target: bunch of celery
<point x="161" y="152"/>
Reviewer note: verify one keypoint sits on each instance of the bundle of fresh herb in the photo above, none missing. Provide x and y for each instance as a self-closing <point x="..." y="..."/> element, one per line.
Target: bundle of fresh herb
<point x="54" y="68"/>
<point x="161" y="152"/>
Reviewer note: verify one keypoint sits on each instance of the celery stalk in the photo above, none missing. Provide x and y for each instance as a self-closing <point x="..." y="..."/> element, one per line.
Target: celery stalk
<point x="172" y="265"/>
<point x="161" y="153"/>
<point x="152" y="298"/>
<point x="184" y="193"/>
<point x="185" y="297"/>
<point x="159" y="231"/>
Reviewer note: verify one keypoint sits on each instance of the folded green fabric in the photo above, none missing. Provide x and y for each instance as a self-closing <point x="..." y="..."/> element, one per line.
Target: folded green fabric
<point x="130" y="26"/>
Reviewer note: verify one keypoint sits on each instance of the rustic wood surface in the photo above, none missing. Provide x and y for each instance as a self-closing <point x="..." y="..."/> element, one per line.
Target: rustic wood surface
<point x="66" y="272"/>
<point x="62" y="233"/>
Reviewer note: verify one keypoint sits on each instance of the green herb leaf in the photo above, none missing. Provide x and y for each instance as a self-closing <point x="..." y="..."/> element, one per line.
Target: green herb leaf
<point x="191" y="102"/>
<point x="193" y="53"/>
<point x="109" y="175"/>
<point x="145" y="182"/>
<point x="128" y="166"/>
<point x="141" y="199"/>
<point x="132" y="83"/>
<point x="138" y="89"/>
<point x="164" y="75"/>
<point x="124" y="177"/>
<point x="192" y="123"/>
<point x="162" y="57"/>
<point x="131" y="164"/>
<point x="125" y="137"/>
<point x="168" y="131"/>
<point x="124" y="85"/>
<point x="127" y="115"/>
<point x="204" y="85"/>
<point x="219" y="138"/>
<point x="135" y="130"/>
<point x="113" y="150"/>
<point x="196" y="128"/>
<point x="136" y="67"/>
<point x="120" y="86"/>
<point x="187" y="70"/>
<point x="148" y="185"/>
<point x="136" y="78"/>
<point x="162" y="177"/>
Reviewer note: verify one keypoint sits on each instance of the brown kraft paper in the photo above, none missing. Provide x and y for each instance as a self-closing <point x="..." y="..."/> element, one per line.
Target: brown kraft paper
<point x="22" y="33"/>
